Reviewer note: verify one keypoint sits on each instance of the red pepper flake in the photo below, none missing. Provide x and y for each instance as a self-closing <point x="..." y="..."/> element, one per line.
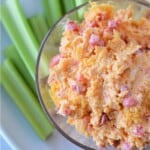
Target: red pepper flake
<point x="72" y="26"/>
<point x="129" y="102"/>
<point x="55" y="60"/>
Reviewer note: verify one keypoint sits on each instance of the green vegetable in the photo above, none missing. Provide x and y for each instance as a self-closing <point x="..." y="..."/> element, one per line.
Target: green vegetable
<point x="20" y="33"/>
<point x="11" y="53"/>
<point x="68" y="5"/>
<point x="82" y="11"/>
<point x="47" y="12"/>
<point x="53" y="10"/>
<point x="25" y="99"/>
<point x="39" y="26"/>
<point x="80" y="2"/>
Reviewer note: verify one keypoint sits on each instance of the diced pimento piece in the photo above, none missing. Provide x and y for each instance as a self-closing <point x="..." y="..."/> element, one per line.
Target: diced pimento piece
<point x="104" y="118"/>
<point x="126" y="146"/>
<point x="129" y="102"/>
<point x="80" y="85"/>
<point x="72" y="26"/>
<point x="112" y="24"/>
<point x="55" y="60"/>
<point x="79" y="88"/>
<point x="95" y="40"/>
<point x="139" y="131"/>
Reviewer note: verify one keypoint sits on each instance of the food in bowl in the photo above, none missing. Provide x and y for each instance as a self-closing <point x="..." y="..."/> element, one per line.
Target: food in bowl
<point x="100" y="80"/>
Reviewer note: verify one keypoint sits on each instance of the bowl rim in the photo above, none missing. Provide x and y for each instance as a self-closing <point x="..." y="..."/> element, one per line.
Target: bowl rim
<point x="145" y="3"/>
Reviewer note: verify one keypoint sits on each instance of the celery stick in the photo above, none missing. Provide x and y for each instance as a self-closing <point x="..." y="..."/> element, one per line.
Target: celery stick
<point x="11" y="53"/>
<point x="24" y="99"/>
<point x="39" y="26"/>
<point x="20" y="32"/>
<point x="80" y="12"/>
<point x="68" y="5"/>
<point x="47" y="12"/>
<point x="53" y="10"/>
<point x="80" y="2"/>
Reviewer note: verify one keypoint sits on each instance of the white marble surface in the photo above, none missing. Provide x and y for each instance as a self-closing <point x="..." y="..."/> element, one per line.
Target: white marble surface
<point x="15" y="132"/>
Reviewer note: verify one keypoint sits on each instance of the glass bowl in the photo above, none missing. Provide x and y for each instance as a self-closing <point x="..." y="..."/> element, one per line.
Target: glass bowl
<point x="50" y="47"/>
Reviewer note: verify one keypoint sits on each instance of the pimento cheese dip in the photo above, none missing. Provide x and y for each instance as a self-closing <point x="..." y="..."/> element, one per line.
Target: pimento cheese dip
<point x="100" y="80"/>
